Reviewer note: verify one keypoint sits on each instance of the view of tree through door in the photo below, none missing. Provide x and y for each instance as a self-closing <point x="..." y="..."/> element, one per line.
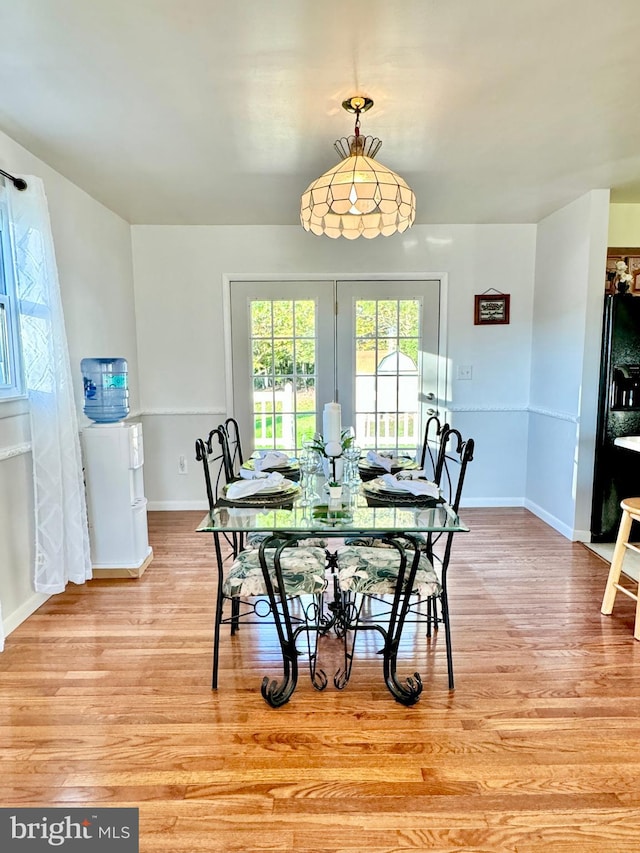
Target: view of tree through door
<point x="371" y="345"/>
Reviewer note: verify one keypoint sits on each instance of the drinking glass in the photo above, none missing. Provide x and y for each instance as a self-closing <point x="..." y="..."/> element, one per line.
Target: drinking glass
<point x="352" y="458"/>
<point x="310" y="447"/>
<point x="308" y="461"/>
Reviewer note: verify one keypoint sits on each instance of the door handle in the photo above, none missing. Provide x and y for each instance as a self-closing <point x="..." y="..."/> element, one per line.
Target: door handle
<point x="433" y="412"/>
<point x="430" y="396"/>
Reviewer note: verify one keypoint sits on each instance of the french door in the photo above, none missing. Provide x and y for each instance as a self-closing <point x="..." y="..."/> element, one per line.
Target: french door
<point x="373" y="346"/>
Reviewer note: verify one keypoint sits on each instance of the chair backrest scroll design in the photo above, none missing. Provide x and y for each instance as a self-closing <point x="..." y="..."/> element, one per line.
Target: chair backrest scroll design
<point x="216" y="464"/>
<point x="431" y="445"/>
<point x="451" y="466"/>
<point x="234" y="443"/>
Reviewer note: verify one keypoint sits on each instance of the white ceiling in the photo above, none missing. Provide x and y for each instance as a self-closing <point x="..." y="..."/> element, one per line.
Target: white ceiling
<point x="223" y="111"/>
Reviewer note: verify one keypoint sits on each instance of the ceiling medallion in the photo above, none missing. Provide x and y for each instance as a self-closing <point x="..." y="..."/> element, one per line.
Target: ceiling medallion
<point x="359" y="196"/>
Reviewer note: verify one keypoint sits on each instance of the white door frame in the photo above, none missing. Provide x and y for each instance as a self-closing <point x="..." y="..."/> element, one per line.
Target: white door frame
<point x="444" y="375"/>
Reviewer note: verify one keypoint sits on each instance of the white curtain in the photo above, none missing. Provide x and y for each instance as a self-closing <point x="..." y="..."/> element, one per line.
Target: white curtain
<point x="62" y="538"/>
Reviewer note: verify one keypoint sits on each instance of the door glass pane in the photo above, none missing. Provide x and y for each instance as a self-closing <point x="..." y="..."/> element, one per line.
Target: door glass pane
<point x="282" y="318"/>
<point x="305" y="357"/>
<point x="305" y="428"/>
<point x="305" y="318"/>
<point x="366" y="357"/>
<point x="262" y="349"/>
<point x="365" y="312"/>
<point x="408" y="347"/>
<point x="284" y="373"/>
<point x="409" y="317"/>
<point x="387" y="381"/>
<point x="387" y="318"/>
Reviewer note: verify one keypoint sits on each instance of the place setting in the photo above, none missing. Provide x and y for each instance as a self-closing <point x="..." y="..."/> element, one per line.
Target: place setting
<point x="375" y="464"/>
<point x="261" y="489"/>
<point x="406" y="487"/>
<point x="267" y="461"/>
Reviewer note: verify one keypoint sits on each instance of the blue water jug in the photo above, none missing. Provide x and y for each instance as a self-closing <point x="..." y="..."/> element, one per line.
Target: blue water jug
<point x="106" y="389"/>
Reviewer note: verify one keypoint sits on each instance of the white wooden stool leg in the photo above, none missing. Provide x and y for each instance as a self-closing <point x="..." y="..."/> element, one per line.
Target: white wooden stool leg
<point x="636" y="629"/>
<point x="616" y="565"/>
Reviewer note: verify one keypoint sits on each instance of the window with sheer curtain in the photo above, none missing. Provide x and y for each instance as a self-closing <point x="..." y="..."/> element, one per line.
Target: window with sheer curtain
<point x="10" y="363"/>
<point x="62" y="540"/>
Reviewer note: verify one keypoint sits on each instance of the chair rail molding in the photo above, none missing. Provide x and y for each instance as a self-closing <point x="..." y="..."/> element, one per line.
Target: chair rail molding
<point x="551" y="413"/>
<point x="479" y="408"/>
<point x="533" y="410"/>
<point x="14" y="450"/>
<point x="213" y="410"/>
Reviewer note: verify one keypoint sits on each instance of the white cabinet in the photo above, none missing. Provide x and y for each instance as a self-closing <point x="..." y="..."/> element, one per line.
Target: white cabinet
<point x="117" y="508"/>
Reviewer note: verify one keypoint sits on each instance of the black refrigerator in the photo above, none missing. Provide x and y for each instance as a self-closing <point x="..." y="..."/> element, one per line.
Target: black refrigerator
<point x="617" y="470"/>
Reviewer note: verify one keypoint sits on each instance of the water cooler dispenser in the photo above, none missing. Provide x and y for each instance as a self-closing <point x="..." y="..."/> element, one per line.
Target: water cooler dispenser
<point x="113" y="455"/>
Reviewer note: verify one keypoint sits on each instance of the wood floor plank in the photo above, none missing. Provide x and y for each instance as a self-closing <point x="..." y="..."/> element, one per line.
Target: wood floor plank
<point x="105" y="699"/>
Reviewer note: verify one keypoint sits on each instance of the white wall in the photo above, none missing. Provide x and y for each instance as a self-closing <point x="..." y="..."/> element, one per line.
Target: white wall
<point x="179" y="305"/>
<point x="567" y="320"/>
<point x="93" y="249"/>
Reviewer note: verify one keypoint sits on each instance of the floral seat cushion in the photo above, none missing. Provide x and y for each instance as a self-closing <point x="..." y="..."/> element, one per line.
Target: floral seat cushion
<point x="374" y="571"/>
<point x="378" y="542"/>
<point x="302" y="572"/>
<point x="255" y="539"/>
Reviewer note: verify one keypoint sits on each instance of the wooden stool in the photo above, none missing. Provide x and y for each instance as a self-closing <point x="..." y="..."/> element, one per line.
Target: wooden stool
<point x="630" y="512"/>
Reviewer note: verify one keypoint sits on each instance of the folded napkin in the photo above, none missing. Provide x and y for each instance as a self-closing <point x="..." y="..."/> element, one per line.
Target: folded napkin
<point x="379" y="461"/>
<point x="243" y="488"/>
<point x="271" y="459"/>
<point x="424" y="488"/>
<point x="249" y="474"/>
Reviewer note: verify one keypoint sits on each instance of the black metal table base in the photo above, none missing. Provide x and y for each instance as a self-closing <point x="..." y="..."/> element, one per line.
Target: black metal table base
<point x="342" y="616"/>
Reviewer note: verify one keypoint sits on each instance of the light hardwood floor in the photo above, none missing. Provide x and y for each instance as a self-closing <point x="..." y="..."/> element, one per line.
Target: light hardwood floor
<point x="105" y="700"/>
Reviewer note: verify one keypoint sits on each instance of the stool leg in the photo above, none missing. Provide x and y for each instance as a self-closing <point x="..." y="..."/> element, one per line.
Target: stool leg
<point x="636" y="628"/>
<point x="616" y="564"/>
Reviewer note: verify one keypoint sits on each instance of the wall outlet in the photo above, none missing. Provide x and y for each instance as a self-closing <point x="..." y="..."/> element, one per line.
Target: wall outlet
<point x="182" y="465"/>
<point x="465" y="371"/>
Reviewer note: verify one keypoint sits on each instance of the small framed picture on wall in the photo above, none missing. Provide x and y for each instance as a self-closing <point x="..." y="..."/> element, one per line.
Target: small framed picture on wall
<point x="491" y="309"/>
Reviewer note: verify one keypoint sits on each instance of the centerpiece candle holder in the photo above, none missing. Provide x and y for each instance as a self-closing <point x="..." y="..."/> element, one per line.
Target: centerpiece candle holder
<point x="332" y="453"/>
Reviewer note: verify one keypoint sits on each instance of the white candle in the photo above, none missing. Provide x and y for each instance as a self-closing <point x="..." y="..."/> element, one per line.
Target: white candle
<point x="331" y="422"/>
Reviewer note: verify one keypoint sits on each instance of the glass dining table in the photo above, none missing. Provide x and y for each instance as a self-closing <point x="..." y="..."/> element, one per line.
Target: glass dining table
<point x="399" y="520"/>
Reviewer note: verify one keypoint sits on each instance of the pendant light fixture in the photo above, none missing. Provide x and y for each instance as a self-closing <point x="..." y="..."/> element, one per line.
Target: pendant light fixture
<point x="359" y="196"/>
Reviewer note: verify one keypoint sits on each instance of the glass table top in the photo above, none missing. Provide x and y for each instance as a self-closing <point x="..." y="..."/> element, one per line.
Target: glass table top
<point x="354" y="514"/>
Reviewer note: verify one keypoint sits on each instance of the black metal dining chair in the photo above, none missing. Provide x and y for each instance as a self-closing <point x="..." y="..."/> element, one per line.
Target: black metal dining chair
<point x="268" y="581"/>
<point x="395" y="580"/>
<point x="434" y="432"/>
<point x="234" y="444"/>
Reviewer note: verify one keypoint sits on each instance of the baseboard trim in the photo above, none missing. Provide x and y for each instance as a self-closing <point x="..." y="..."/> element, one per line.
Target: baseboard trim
<point x="175" y="506"/>
<point x="26" y="609"/>
<point x="124" y="571"/>
<point x="491" y="502"/>
<point x="551" y="520"/>
<point x="582" y="536"/>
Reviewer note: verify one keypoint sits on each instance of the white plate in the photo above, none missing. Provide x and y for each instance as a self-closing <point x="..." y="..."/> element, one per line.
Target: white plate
<point x="403" y="463"/>
<point x="282" y="488"/>
<point x="250" y="465"/>
<point x="379" y="487"/>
